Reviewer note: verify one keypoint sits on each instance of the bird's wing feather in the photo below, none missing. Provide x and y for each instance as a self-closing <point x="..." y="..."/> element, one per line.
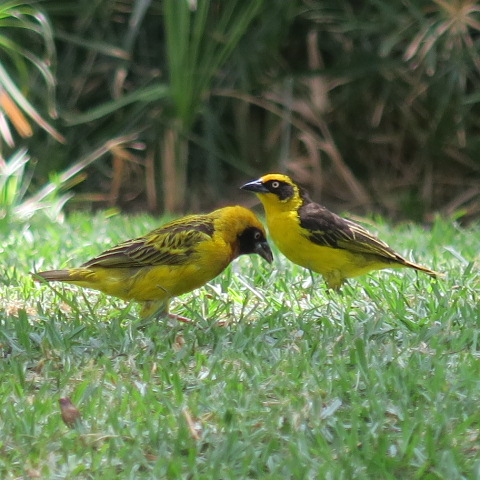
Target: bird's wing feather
<point x="327" y="229"/>
<point x="171" y="244"/>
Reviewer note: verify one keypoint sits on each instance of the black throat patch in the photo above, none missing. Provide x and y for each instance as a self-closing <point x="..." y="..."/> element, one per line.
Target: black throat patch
<point x="248" y="240"/>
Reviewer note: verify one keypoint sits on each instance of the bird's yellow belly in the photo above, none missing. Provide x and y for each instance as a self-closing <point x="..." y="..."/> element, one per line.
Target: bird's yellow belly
<point x="327" y="261"/>
<point x="152" y="283"/>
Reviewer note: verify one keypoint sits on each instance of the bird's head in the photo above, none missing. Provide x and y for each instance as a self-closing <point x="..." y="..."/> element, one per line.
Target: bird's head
<point x="241" y="228"/>
<point x="276" y="190"/>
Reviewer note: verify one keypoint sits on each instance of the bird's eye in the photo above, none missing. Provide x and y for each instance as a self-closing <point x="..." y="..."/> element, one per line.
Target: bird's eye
<point x="257" y="236"/>
<point x="275" y="184"/>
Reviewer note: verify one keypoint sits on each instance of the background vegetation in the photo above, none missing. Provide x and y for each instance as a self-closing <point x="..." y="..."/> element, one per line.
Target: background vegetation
<point x="169" y="105"/>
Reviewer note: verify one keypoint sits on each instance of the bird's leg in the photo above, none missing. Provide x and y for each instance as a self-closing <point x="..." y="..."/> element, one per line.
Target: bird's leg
<point x="153" y="308"/>
<point x="159" y="308"/>
<point x="334" y="280"/>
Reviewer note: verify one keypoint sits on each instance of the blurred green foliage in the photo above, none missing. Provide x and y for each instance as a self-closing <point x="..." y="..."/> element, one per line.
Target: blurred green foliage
<point x="373" y="105"/>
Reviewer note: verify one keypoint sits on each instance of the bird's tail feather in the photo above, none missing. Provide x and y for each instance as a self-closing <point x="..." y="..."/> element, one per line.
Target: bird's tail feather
<point x="57" y="276"/>
<point x="428" y="271"/>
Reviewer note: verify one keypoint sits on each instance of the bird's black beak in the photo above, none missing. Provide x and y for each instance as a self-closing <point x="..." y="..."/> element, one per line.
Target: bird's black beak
<point x="263" y="249"/>
<point x="256" y="186"/>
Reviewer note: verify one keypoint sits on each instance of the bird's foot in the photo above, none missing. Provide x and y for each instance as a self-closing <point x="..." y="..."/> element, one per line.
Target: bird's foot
<point x="179" y="318"/>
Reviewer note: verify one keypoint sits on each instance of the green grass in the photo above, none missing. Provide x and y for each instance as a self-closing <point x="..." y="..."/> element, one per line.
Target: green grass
<point x="380" y="382"/>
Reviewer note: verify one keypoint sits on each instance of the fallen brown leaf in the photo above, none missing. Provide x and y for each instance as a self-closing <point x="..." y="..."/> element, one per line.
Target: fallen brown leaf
<point x="70" y="413"/>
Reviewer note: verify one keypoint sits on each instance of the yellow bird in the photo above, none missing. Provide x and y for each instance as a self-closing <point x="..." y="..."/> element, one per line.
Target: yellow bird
<point x="174" y="259"/>
<point x="311" y="236"/>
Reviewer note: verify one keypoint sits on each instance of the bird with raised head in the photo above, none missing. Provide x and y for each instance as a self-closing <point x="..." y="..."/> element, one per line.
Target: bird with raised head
<point x="310" y="235"/>
<point x="176" y="258"/>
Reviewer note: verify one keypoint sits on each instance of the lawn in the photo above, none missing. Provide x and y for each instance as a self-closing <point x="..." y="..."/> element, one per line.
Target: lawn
<point x="276" y="379"/>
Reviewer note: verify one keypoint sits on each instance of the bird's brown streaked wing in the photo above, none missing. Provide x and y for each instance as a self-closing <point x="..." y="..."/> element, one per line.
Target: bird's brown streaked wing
<point x="329" y="230"/>
<point x="365" y="242"/>
<point x="172" y="244"/>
